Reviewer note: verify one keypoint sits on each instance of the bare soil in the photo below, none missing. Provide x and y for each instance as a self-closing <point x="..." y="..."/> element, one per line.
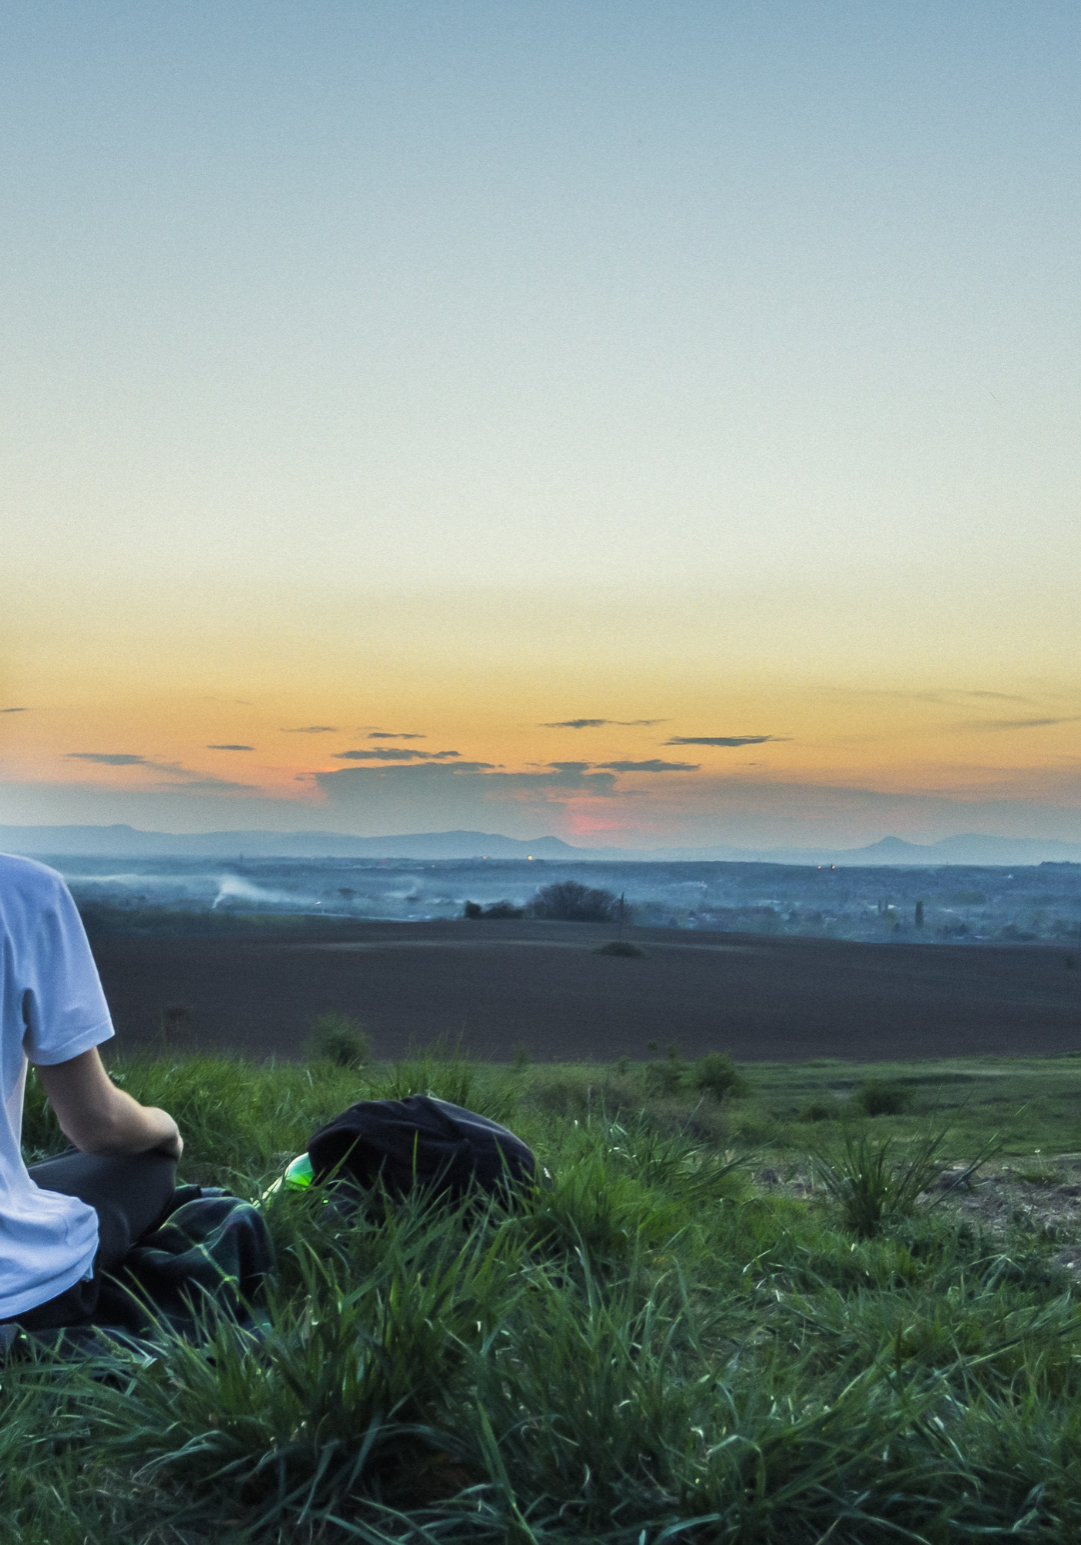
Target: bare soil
<point x="1033" y="1196"/>
<point x="499" y="986"/>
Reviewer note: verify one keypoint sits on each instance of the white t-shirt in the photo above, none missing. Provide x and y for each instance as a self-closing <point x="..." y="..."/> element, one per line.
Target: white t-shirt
<point x="52" y="1008"/>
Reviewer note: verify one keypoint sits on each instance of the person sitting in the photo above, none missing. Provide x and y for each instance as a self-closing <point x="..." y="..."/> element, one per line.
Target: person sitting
<point x="68" y="1221"/>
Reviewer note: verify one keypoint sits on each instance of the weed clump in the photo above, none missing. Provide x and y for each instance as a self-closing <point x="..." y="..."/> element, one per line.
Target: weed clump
<point x="665" y="1077"/>
<point x="716" y="1074"/>
<point x="338" y="1039"/>
<point x="876" y="1097"/>
<point x="872" y="1184"/>
<point x="876" y="1181"/>
<point x="819" y="1110"/>
<point x="621" y="947"/>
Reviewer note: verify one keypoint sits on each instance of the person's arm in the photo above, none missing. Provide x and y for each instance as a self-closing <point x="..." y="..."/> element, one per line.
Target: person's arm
<point x="100" y="1118"/>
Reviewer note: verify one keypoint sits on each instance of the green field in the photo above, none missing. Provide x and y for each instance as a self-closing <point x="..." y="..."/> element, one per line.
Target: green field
<point x="1028" y="1103"/>
<point x="694" y="1334"/>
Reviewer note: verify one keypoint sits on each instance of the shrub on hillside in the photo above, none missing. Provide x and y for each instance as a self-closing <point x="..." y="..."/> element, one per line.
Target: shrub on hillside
<point x="498" y="910"/>
<point x="819" y="1108"/>
<point x="716" y="1074"/>
<point x="666" y="1077"/>
<point x="337" y="1038"/>
<point x="878" y="1098"/>
<point x="568" y="902"/>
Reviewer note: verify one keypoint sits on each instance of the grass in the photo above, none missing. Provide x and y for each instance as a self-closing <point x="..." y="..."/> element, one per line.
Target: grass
<point x="653" y="1348"/>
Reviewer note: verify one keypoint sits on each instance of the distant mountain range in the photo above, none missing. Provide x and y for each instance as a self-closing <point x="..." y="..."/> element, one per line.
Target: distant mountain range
<point x="127" y="842"/>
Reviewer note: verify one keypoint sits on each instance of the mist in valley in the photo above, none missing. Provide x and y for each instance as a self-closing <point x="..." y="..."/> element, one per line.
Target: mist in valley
<point x="953" y="904"/>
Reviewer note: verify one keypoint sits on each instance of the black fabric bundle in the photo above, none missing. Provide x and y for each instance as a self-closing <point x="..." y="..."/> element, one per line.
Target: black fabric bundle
<point x="211" y="1249"/>
<point x="420" y="1143"/>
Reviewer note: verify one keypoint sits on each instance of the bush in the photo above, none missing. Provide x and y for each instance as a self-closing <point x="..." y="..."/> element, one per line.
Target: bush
<point x="668" y="1077"/>
<point x="337" y="1038"/>
<point x="498" y="910"/>
<point x="716" y="1074"/>
<point x="878" y="1098"/>
<point x="569" y="902"/>
<point x="622" y="948"/>
<point x="819" y="1110"/>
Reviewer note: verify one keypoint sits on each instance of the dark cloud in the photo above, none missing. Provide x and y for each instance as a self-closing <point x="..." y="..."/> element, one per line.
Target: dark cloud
<point x="721" y="740"/>
<point x="230" y="748"/>
<point x="14" y="710"/>
<point x="387" y="735"/>
<point x="437" y="785"/>
<point x="313" y="729"/>
<point x="576" y="724"/>
<point x="654" y="765"/>
<point x="574" y="776"/>
<point x="344" y="781"/>
<point x="108" y="758"/>
<point x="394" y="754"/>
<point x="593" y="724"/>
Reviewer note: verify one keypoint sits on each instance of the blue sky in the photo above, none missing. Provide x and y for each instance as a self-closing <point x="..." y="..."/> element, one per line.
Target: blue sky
<point x="762" y="315"/>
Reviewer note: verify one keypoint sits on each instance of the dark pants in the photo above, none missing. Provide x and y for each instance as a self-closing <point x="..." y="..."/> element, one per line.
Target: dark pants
<point x="129" y="1194"/>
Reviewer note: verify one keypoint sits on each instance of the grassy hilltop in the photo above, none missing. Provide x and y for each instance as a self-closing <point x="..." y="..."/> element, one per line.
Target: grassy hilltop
<point x="745" y="1310"/>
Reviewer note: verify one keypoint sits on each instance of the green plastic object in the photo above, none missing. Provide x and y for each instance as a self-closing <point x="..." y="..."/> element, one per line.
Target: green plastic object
<point x="300" y="1172"/>
<point x="298" y="1176"/>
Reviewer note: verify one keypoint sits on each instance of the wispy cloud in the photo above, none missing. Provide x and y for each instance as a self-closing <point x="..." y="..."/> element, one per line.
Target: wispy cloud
<point x="389" y="735"/>
<point x="1001" y="697"/>
<point x="109" y="758"/>
<point x="654" y="765"/>
<point x="722" y="740"/>
<point x="1024" y="724"/>
<point x="943" y="696"/>
<point x="178" y="778"/>
<point x="193" y="785"/>
<point x="14" y="710"/>
<point x="595" y="724"/>
<point x="313" y="729"/>
<point x="394" y="754"/>
<point x="576" y="724"/>
<point x="230" y="748"/>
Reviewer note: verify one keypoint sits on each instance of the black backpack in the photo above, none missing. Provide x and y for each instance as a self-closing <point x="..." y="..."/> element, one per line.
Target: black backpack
<point x="420" y="1143"/>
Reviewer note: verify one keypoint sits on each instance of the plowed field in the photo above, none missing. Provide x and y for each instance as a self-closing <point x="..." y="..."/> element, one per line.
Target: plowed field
<point x="541" y="986"/>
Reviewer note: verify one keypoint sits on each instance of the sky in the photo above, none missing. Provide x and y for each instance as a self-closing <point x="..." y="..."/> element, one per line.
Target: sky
<point x="644" y="424"/>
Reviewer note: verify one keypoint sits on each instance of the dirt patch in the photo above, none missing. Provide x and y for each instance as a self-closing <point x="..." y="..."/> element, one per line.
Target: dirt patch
<point x="1038" y="1196"/>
